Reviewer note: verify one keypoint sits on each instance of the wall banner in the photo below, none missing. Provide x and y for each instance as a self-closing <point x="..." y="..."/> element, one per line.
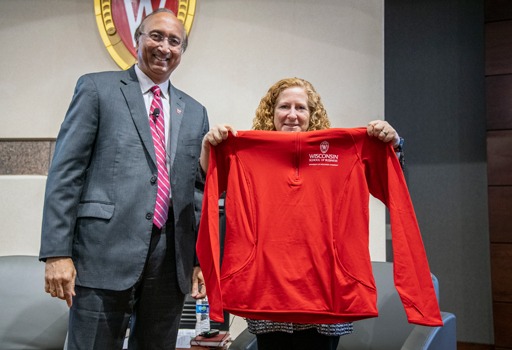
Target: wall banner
<point x="117" y="20"/>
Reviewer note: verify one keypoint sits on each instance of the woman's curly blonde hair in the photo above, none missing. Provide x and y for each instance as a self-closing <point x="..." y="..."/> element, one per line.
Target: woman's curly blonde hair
<point x="264" y="119"/>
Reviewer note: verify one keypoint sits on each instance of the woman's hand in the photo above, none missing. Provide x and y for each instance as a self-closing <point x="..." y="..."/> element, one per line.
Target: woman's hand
<point x="383" y="131"/>
<point x="216" y="135"/>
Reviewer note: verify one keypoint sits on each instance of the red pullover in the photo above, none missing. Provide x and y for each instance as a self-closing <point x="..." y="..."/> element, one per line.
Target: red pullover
<point x="296" y="243"/>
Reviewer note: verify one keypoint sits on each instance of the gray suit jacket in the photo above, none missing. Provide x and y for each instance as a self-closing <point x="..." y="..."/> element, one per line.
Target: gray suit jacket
<point x="101" y="186"/>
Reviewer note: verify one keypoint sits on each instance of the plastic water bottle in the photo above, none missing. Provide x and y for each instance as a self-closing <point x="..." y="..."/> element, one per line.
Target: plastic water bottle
<point x="202" y="315"/>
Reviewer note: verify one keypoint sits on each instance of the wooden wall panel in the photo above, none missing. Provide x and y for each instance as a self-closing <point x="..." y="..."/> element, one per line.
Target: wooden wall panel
<point x="499" y="101"/>
<point x="500" y="214"/>
<point x="501" y="266"/>
<point x="473" y="346"/>
<point x="498" y="10"/>
<point x="503" y="325"/>
<point x="499" y="158"/>
<point x="498" y="48"/>
<point x="498" y="70"/>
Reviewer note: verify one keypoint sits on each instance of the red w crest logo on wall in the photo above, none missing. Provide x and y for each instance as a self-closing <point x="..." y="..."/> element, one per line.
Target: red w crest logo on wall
<point x="117" y="20"/>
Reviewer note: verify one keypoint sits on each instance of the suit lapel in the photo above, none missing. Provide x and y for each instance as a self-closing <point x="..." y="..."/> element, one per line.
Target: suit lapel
<point x="130" y="88"/>
<point x="177" y="113"/>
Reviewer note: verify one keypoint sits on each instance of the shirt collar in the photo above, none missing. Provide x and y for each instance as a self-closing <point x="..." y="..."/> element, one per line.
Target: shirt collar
<point x="146" y="83"/>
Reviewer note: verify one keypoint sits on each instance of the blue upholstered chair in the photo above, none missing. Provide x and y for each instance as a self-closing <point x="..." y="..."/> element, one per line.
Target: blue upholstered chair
<point x="389" y="331"/>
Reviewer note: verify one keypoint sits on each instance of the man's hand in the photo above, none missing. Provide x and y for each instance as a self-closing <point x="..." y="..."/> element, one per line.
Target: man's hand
<point x="198" y="287"/>
<point x="59" y="278"/>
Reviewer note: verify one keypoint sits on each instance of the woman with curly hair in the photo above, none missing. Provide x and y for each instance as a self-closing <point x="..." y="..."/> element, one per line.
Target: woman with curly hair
<point x="293" y="105"/>
<point x="264" y="119"/>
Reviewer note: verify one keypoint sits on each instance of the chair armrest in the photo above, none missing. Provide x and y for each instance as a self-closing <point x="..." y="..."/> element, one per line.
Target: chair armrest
<point x="244" y="341"/>
<point x="432" y="338"/>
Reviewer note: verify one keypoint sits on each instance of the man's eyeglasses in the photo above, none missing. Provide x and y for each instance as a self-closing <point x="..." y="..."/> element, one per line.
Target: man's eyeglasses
<point x="159" y="38"/>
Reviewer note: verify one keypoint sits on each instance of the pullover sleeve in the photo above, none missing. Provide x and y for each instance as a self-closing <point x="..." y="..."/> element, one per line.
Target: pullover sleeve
<point x="208" y="243"/>
<point x="412" y="276"/>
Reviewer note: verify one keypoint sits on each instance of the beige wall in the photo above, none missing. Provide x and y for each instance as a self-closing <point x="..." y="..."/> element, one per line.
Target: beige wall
<point x="237" y="50"/>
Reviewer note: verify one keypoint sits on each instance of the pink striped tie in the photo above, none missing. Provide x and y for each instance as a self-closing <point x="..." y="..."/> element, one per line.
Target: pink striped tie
<point x="158" y="133"/>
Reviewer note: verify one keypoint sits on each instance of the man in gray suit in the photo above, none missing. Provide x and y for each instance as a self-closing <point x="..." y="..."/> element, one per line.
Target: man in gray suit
<point x="103" y="253"/>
